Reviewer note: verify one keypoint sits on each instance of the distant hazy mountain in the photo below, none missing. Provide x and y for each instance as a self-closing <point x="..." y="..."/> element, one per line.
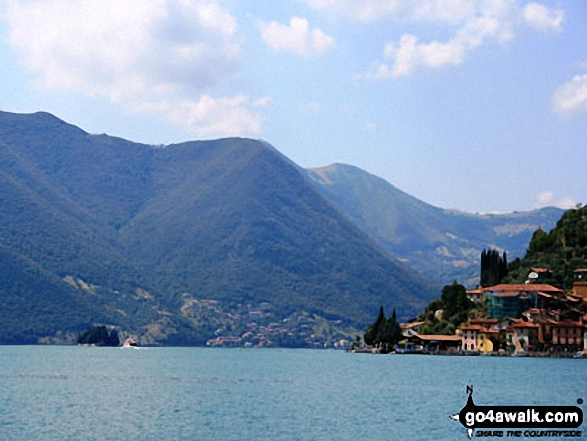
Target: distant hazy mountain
<point x="99" y="230"/>
<point x="444" y="244"/>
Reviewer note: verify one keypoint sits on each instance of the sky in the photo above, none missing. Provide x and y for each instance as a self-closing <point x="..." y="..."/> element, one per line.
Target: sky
<point x="478" y="105"/>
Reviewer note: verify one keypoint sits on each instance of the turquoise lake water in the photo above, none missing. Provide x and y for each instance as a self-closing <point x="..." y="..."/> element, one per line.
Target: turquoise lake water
<point x="79" y="393"/>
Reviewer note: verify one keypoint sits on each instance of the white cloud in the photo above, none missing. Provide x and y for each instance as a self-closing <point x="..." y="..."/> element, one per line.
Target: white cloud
<point x="121" y="48"/>
<point x="262" y="102"/>
<point x="444" y="11"/>
<point x="370" y="127"/>
<point x="297" y="37"/>
<point x="543" y="18"/>
<point x="408" y="54"/>
<point x="572" y="96"/>
<point x="548" y="199"/>
<point x="209" y="117"/>
<point x="371" y="10"/>
<point x="150" y="56"/>
<point x="364" y="10"/>
<point x="405" y="57"/>
<point x="475" y="23"/>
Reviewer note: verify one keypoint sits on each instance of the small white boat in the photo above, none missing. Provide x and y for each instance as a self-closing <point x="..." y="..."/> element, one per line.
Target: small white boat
<point x="130" y="343"/>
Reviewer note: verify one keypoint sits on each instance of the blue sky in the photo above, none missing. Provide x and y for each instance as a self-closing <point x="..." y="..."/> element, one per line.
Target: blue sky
<point x="475" y="105"/>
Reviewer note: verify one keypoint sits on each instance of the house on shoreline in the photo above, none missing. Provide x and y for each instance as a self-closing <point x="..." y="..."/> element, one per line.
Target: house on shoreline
<point x="477" y="338"/>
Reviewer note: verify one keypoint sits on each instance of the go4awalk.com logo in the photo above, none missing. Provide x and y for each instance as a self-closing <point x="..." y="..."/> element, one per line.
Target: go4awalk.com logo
<point x="520" y="421"/>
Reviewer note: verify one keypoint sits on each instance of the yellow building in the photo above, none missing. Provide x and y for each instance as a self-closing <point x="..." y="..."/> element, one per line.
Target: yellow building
<point x="487" y="340"/>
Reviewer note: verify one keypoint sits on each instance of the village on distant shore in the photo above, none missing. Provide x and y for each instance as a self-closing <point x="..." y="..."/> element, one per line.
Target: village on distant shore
<point x="528" y="319"/>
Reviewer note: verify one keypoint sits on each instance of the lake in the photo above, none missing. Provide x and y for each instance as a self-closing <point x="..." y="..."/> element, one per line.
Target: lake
<point x="84" y="393"/>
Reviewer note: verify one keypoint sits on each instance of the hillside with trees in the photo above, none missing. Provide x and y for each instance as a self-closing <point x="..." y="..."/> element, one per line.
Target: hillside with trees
<point x="562" y="250"/>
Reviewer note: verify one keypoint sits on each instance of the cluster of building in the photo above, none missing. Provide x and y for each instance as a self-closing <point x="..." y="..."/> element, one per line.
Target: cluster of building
<point x="529" y="318"/>
<point x="292" y="331"/>
<point x="258" y="325"/>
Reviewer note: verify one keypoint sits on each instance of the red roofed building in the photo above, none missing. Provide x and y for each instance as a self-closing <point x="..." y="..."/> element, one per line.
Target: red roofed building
<point x="476" y="295"/>
<point x="469" y="337"/>
<point x="523" y="287"/>
<point x="511" y="300"/>
<point x="567" y="335"/>
<point x="485" y="322"/>
<point x="525" y="336"/>
<point x="427" y="343"/>
<point x="437" y="343"/>
<point x="540" y="274"/>
<point x="414" y="326"/>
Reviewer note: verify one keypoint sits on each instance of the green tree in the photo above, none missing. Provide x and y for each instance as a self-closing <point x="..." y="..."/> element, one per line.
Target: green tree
<point x="493" y="267"/>
<point x="395" y="330"/>
<point x="384" y="332"/>
<point x="454" y="299"/>
<point x="373" y="330"/>
<point x="389" y="333"/>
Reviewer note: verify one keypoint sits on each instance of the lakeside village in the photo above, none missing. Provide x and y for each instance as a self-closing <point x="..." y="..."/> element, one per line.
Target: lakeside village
<point x="528" y="319"/>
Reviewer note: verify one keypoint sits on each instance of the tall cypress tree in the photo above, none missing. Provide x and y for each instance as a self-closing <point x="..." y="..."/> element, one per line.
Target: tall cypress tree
<point x="389" y="333"/>
<point x="493" y="267"/>
<point x="396" y="330"/>
<point x="373" y="330"/>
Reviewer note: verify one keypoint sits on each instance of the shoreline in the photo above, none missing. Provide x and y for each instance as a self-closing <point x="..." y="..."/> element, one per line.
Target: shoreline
<point x="580" y="355"/>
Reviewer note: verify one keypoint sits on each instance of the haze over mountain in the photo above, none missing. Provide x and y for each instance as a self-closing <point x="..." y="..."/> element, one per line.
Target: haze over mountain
<point x="444" y="244"/>
<point x="97" y="229"/>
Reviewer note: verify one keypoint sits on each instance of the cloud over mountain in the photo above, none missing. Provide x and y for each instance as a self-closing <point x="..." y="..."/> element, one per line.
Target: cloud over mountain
<point x="209" y="117"/>
<point x="137" y="53"/>
<point x="548" y="199"/>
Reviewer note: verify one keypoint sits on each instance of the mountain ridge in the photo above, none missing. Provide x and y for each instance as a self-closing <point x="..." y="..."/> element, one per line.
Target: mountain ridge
<point x="443" y="243"/>
<point x="146" y="237"/>
<point x="140" y="234"/>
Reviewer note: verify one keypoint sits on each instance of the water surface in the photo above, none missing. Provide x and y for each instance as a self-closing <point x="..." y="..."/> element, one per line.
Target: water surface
<point x="56" y="393"/>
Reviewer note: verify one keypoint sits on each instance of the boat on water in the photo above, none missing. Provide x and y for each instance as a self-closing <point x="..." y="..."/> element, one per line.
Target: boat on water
<point x="130" y="343"/>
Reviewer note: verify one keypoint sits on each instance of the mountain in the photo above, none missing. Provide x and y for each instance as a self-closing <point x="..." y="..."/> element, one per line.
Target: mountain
<point x="178" y="244"/>
<point x="444" y="244"/>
